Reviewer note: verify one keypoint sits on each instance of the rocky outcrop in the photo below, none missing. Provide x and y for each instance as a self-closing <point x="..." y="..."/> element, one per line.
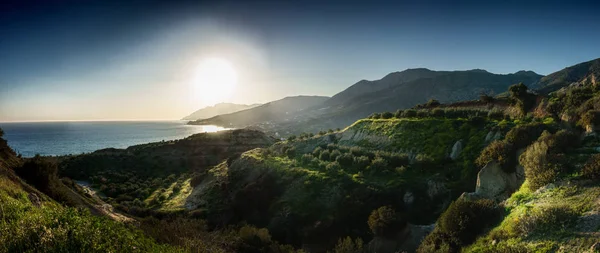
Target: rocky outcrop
<point x="456" y="149"/>
<point x="351" y="135"/>
<point x="495" y="183"/>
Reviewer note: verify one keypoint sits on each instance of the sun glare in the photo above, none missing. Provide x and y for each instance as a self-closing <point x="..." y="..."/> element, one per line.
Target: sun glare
<point x="215" y="80"/>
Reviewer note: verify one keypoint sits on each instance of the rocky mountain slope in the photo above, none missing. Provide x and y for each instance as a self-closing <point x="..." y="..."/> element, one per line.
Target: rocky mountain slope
<point x="282" y="110"/>
<point x="218" y="109"/>
<point x="582" y="74"/>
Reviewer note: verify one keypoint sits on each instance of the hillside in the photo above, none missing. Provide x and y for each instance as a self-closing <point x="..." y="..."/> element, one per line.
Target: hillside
<point x="444" y="86"/>
<point x="33" y="222"/>
<point x="586" y="73"/>
<point x="218" y="109"/>
<point x="277" y="111"/>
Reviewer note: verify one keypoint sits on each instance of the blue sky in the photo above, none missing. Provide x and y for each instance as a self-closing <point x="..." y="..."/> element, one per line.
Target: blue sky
<point x="90" y="60"/>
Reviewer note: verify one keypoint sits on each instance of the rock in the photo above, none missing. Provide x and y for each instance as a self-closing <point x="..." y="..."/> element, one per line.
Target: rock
<point x="469" y="196"/>
<point x="489" y="136"/>
<point x="35" y="199"/>
<point x="498" y="136"/>
<point x="492" y="181"/>
<point x="408" y="198"/>
<point x="456" y="149"/>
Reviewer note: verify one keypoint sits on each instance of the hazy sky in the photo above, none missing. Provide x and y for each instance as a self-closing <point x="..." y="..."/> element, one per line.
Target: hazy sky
<point x="80" y="60"/>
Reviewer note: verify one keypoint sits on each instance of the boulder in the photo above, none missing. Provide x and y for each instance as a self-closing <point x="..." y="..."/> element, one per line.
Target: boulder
<point x="456" y="149"/>
<point x="492" y="181"/>
<point x="489" y="136"/>
<point x="408" y="198"/>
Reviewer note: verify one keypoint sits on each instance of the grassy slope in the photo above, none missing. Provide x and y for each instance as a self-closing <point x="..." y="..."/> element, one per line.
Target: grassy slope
<point x="46" y="226"/>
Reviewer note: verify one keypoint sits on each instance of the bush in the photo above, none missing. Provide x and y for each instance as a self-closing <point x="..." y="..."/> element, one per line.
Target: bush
<point x="375" y="116"/>
<point x="307" y="159"/>
<point x="546" y="219"/>
<point x="345" y="159"/>
<point x="378" y="165"/>
<point x="333" y="166"/>
<point x="317" y="151"/>
<point x="591" y="169"/>
<point x="334" y="155"/>
<point x="385" y="222"/>
<point x="432" y="103"/>
<point x="501" y="152"/>
<point x="539" y="170"/>
<point x="523" y="135"/>
<point x="291" y="138"/>
<point x="398" y="114"/>
<point x="387" y="115"/>
<point x="409" y="113"/>
<point x="397" y="160"/>
<point x="461" y="223"/>
<point x="347" y="245"/>
<point x="591" y="117"/>
<point x="437" y="112"/>
<point x="362" y="162"/>
<point x="324" y="156"/>
<point x="290" y="152"/>
<point x="424" y="161"/>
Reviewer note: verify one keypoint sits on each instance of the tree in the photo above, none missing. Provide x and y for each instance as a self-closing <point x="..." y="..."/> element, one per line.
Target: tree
<point x="385" y="222"/>
<point x="387" y="115"/>
<point x="1" y="132"/>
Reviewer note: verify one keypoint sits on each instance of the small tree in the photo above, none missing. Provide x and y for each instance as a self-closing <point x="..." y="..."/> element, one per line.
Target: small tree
<point x="387" y="115"/>
<point x="385" y="222"/>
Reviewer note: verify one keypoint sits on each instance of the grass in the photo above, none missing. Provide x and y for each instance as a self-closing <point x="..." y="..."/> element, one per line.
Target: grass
<point x="543" y="221"/>
<point x="53" y="228"/>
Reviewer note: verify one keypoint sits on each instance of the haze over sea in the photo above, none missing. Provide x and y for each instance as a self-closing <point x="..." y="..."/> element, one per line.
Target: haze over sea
<point x="75" y="137"/>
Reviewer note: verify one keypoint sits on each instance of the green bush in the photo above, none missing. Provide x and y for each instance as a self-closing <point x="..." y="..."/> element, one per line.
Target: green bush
<point x="397" y="160"/>
<point x="591" y="117"/>
<point x="345" y="160"/>
<point x="460" y="225"/>
<point x="399" y="113"/>
<point x="387" y="115"/>
<point x="324" y="156"/>
<point x="334" y="155"/>
<point x="501" y="152"/>
<point x="409" y="113"/>
<point x="378" y="165"/>
<point x="347" y="245"/>
<point x="375" y="116"/>
<point x="539" y="170"/>
<point x="523" y="135"/>
<point x="385" y="222"/>
<point x="362" y="162"/>
<point x="591" y="169"/>
<point x="546" y="220"/>
<point x="307" y="159"/>
<point x="333" y="166"/>
<point x="437" y="113"/>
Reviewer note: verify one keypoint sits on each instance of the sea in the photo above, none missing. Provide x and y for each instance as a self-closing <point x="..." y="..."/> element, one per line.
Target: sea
<point x="76" y="137"/>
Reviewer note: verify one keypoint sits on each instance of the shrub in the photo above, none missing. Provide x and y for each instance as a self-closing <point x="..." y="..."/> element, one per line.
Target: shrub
<point x="501" y="152"/>
<point x="546" y="219"/>
<point x="523" y="135"/>
<point x="398" y="114"/>
<point x="347" y="245"/>
<point x="362" y="162"/>
<point x="324" y="156"/>
<point x="486" y="98"/>
<point x="385" y="222"/>
<point x="291" y="138"/>
<point x="409" y="113"/>
<point x="345" y="159"/>
<point x="317" y="151"/>
<point x="397" y="160"/>
<point x="378" y="165"/>
<point x="356" y="151"/>
<point x="432" y="103"/>
<point x="333" y="166"/>
<point x="591" y="117"/>
<point x="461" y="223"/>
<point x="437" y="112"/>
<point x="539" y="170"/>
<point x="375" y="116"/>
<point x="591" y="169"/>
<point x="387" y="115"/>
<point x="334" y="155"/>
<point x="424" y="161"/>
<point x="307" y="159"/>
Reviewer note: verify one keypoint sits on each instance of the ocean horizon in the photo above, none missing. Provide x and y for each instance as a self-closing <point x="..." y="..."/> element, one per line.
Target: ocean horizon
<point x="55" y="138"/>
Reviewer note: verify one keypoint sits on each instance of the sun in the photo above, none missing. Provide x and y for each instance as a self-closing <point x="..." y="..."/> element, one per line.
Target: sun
<point x="215" y="80"/>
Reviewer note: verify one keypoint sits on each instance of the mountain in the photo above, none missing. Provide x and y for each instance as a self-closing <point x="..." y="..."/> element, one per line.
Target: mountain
<point x="218" y="109"/>
<point x="281" y="110"/>
<point x="401" y="90"/>
<point x="392" y="79"/>
<point x="586" y="73"/>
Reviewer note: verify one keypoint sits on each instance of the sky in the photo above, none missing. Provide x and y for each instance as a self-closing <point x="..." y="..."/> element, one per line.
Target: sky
<point x="98" y="60"/>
